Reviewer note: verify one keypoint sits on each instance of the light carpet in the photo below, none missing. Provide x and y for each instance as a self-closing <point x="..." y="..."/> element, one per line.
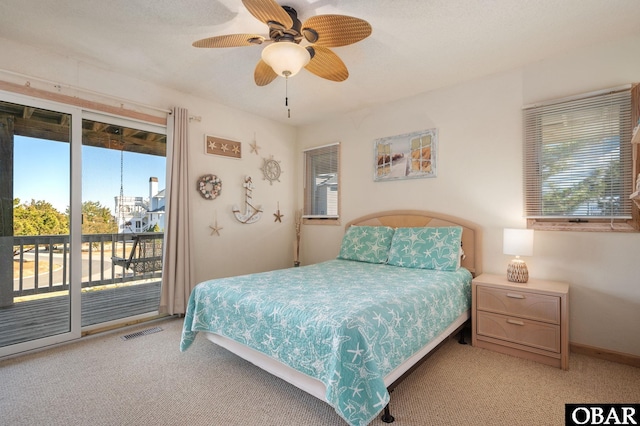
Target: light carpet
<point x="105" y="380"/>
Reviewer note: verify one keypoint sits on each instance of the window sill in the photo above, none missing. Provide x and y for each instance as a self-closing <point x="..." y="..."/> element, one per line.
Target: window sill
<point x="321" y="221"/>
<point x="593" y="226"/>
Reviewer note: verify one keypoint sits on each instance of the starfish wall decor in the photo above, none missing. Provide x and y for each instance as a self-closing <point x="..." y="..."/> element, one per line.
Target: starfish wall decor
<point x="254" y="147"/>
<point x="219" y="146"/>
<point x="278" y="215"/>
<point x="215" y="229"/>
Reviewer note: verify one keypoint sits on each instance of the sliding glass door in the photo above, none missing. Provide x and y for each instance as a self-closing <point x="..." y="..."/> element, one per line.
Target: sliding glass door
<point x="123" y="188"/>
<point x="81" y="221"/>
<point x="39" y="226"/>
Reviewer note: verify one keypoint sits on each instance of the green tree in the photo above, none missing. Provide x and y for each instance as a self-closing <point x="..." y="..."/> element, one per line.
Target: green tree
<point x="41" y="218"/>
<point x="38" y="218"/>
<point x="97" y="219"/>
<point x="581" y="186"/>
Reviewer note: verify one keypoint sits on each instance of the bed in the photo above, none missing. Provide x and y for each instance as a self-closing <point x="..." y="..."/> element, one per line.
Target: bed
<point x="348" y="330"/>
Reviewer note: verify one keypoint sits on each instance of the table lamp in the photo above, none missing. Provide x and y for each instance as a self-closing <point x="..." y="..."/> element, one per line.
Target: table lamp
<point x="518" y="242"/>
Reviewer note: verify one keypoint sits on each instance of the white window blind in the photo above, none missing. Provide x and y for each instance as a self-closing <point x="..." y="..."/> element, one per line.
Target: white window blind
<point x="321" y="185"/>
<point x="578" y="158"/>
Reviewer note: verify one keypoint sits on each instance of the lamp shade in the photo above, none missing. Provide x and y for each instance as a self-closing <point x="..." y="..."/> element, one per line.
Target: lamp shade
<point x="286" y="58"/>
<point x="518" y="242"/>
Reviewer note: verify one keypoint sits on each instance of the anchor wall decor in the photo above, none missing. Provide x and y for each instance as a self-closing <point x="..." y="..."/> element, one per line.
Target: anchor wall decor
<point x="251" y="213"/>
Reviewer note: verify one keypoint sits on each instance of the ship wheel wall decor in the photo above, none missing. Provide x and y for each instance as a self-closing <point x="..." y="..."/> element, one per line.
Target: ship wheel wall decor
<point x="271" y="170"/>
<point x="251" y="213"/>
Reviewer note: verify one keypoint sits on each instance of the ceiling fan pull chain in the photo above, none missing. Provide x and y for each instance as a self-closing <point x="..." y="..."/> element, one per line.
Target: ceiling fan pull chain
<point x="286" y="95"/>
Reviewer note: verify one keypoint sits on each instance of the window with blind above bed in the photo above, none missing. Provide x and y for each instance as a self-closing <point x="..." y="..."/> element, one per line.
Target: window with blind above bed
<point x="322" y="185"/>
<point x="578" y="165"/>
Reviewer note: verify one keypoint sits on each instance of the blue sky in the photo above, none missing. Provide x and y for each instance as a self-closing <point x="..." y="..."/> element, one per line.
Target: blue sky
<point x="41" y="172"/>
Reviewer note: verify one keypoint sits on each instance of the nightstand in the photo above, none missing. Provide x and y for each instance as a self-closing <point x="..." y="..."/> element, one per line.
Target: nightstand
<point x="528" y="320"/>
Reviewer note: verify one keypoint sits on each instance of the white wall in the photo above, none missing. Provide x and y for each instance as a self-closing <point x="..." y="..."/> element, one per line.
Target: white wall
<point x="480" y="179"/>
<point x="240" y="248"/>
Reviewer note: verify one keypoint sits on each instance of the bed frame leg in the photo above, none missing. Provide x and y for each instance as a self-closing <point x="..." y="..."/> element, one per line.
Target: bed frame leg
<point x="461" y="331"/>
<point x="386" y="416"/>
<point x="461" y="338"/>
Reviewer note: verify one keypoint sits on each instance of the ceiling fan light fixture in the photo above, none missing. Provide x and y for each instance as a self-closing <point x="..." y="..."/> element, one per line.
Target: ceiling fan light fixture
<point x="286" y="58"/>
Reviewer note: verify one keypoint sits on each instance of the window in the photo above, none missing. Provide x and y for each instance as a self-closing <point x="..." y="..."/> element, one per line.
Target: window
<point x="578" y="170"/>
<point x="322" y="184"/>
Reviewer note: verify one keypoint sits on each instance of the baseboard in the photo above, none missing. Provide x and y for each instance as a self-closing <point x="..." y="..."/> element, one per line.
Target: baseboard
<point x="606" y="354"/>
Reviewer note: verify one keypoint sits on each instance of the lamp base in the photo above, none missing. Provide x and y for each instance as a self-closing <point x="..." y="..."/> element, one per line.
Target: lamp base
<point x="517" y="271"/>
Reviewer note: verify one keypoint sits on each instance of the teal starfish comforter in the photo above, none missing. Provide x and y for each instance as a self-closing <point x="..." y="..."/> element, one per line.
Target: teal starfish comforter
<point x="345" y="323"/>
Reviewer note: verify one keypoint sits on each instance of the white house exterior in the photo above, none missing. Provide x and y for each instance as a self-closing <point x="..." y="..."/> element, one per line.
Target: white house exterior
<point x="139" y="214"/>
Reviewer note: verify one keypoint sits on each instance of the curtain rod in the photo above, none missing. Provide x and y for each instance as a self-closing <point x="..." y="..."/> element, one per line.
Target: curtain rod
<point x="88" y="91"/>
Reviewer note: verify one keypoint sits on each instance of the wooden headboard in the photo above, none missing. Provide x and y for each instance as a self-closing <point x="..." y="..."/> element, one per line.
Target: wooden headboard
<point x="471" y="235"/>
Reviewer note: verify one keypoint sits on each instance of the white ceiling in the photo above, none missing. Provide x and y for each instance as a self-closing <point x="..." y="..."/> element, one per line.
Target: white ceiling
<point x="416" y="45"/>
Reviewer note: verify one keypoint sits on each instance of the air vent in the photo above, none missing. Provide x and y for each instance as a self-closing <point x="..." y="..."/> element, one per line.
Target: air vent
<point x="141" y="333"/>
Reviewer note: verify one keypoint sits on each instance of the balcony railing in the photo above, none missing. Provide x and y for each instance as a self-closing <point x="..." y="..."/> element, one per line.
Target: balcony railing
<point x="98" y="268"/>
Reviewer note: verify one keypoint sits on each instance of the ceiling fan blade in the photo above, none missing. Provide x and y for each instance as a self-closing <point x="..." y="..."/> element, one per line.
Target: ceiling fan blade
<point x="326" y="64"/>
<point x="230" y="40"/>
<point x="268" y="11"/>
<point x="264" y="74"/>
<point x="335" y="30"/>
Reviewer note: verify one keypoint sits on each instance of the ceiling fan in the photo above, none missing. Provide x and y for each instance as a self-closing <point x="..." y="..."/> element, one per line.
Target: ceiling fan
<point x="284" y="56"/>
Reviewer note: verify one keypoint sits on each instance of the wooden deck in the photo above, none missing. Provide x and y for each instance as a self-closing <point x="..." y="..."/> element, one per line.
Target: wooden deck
<point x="34" y="319"/>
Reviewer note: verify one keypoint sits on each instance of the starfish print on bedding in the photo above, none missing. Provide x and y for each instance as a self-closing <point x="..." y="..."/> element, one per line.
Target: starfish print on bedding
<point x="356" y="352"/>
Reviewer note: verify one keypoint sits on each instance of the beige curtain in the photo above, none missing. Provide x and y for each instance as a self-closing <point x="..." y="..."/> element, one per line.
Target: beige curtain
<point x="178" y="275"/>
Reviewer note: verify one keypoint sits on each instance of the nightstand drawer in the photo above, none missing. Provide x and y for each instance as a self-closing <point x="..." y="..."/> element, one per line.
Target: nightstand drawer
<point x="518" y="330"/>
<point x="523" y="304"/>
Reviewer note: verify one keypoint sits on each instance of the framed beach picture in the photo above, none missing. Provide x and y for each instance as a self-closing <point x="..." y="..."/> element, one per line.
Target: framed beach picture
<point x="408" y="156"/>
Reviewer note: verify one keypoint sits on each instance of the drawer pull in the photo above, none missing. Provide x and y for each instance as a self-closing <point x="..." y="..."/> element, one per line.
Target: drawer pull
<point x="515" y="322"/>
<point x="515" y="296"/>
